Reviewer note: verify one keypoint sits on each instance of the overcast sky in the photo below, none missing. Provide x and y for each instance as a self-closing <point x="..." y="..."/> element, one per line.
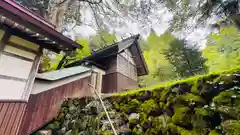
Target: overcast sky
<point x="159" y="21"/>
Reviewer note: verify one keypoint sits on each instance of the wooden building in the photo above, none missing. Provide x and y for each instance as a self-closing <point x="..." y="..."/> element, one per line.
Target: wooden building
<point x="23" y="35"/>
<point x="50" y="89"/>
<point x="123" y="62"/>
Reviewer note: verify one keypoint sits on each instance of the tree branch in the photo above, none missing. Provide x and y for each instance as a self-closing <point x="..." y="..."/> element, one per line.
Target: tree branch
<point x="91" y="2"/>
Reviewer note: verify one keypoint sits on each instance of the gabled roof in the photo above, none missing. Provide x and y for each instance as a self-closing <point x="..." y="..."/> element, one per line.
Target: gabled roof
<point x="131" y="43"/>
<point x="26" y="24"/>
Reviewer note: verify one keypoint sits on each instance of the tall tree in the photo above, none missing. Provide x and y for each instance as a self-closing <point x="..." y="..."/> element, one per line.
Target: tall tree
<point x="114" y="13"/>
<point x="187" y="60"/>
<point x="107" y="14"/>
<point x="160" y="69"/>
<point x="222" y="51"/>
<point x="102" y="39"/>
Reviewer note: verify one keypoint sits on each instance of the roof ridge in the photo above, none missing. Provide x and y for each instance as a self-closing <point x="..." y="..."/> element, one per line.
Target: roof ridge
<point x="116" y="43"/>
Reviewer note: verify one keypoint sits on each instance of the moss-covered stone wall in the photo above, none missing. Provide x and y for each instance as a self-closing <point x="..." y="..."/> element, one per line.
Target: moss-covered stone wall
<point x="203" y="105"/>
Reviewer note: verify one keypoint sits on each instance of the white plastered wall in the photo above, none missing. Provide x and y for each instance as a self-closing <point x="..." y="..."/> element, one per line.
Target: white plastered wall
<point x="15" y="71"/>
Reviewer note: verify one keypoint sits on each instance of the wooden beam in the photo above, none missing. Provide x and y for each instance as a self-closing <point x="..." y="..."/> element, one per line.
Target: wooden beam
<point x="12" y="101"/>
<point x="32" y="39"/>
<point x="32" y="75"/>
<point x="17" y="56"/>
<point x="22" y="47"/>
<point x="4" y="39"/>
<point x="12" y="78"/>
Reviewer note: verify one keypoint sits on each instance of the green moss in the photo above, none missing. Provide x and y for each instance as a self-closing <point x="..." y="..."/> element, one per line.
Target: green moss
<point x="229" y="111"/>
<point x="225" y="79"/>
<point x="129" y="107"/>
<point x="143" y="120"/>
<point x="151" y="131"/>
<point x="181" y="116"/>
<point x="163" y="94"/>
<point x="116" y="106"/>
<point x="194" y="88"/>
<point x="137" y="132"/>
<point x="203" y="111"/>
<point x="214" y="132"/>
<point x="133" y="122"/>
<point x="149" y="106"/>
<point x="190" y="80"/>
<point x="231" y="127"/>
<point x="174" y="129"/>
<point x="227" y="97"/>
<point x="54" y="126"/>
<point x="100" y="132"/>
<point x="191" y="98"/>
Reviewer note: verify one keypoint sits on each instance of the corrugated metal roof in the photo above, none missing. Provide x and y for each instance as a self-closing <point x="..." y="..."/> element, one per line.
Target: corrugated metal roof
<point x="62" y="73"/>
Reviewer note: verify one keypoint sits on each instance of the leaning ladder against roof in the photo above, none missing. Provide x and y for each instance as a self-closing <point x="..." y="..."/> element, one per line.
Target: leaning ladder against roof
<point x="105" y="110"/>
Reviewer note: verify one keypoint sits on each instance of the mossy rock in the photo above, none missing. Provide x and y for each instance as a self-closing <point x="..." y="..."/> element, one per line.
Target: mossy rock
<point x="214" y="132"/>
<point x="204" y="111"/>
<point x="205" y="87"/>
<point x="229" y="97"/>
<point x="199" y="123"/>
<point x="227" y="80"/>
<point x="133" y="123"/>
<point x="229" y="112"/>
<point x="173" y="129"/>
<point x="231" y="127"/>
<point x="163" y="94"/>
<point x="144" y="95"/>
<point x="116" y="106"/>
<point x="53" y="126"/>
<point x="130" y="107"/>
<point x="191" y="99"/>
<point x="181" y="88"/>
<point x="152" y="131"/>
<point x="181" y="116"/>
<point x="157" y="93"/>
<point x="159" y="124"/>
<point x="150" y="107"/>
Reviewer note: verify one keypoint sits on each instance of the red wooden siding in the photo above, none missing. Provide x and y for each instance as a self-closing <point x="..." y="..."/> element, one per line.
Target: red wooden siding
<point x="116" y="82"/>
<point x="124" y="82"/>
<point x="43" y="107"/>
<point x="11" y="115"/>
<point x="109" y="84"/>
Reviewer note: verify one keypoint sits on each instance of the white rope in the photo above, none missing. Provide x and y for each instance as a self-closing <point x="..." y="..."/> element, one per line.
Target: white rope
<point x="105" y="110"/>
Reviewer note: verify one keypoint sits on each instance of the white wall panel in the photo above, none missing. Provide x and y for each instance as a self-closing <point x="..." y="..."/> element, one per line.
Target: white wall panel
<point x="14" y="67"/>
<point x="19" y="52"/>
<point x="11" y="89"/>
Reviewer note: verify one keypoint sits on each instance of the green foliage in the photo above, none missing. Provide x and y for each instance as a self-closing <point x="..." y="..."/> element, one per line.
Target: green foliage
<point x="187" y="61"/>
<point x="101" y="39"/>
<point x="222" y="51"/>
<point x="62" y="59"/>
<point x="45" y="64"/>
<point x="160" y="69"/>
<point x="84" y="52"/>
